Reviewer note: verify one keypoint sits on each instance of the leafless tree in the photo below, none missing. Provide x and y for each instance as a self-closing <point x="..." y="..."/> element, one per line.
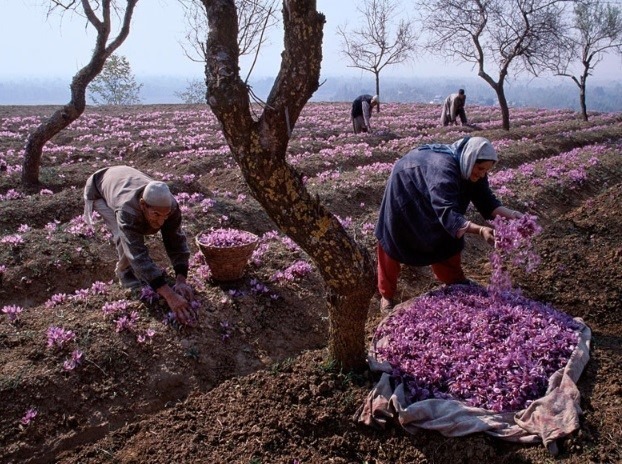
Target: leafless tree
<point x="104" y="47"/>
<point x="596" y="30"/>
<point x="514" y="36"/>
<point x="259" y="146"/>
<point x="255" y="18"/>
<point x="381" y="40"/>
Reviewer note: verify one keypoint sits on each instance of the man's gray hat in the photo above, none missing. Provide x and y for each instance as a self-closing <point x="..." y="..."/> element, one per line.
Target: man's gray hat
<point x="157" y="193"/>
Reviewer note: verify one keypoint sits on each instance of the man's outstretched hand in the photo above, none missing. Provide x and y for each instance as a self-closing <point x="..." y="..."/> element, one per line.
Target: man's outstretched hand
<point x="181" y="306"/>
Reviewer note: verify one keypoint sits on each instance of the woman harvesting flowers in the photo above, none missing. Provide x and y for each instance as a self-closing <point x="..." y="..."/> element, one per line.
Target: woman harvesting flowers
<point x="421" y="220"/>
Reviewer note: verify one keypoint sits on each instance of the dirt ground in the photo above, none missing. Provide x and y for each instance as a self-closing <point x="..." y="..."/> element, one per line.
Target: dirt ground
<point x="250" y="383"/>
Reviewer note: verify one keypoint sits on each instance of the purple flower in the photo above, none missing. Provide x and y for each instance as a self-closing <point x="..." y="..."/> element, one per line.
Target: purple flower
<point x="28" y="417"/>
<point x="149" y="295"/>
<point x="59" y="337"/>
<point x="73" y="362"/>
<point x="13" y="311"/>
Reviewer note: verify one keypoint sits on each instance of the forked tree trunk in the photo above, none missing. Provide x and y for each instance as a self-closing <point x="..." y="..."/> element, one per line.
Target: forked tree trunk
<point x="259" y="147"/>
<point x="74" y="109"/>
<point x="49" y="128"/>
<point x="497" y="86"/>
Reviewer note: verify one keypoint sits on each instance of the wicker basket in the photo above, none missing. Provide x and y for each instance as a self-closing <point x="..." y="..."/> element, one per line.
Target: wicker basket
<point x="227" y="263"/>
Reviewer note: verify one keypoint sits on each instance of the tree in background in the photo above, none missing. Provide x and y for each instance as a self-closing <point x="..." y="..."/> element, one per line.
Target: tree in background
<point x="259" y="146"/>
<point x="255" y="18"/>
<point x="380" y="41"/>
<point x="115" y="84"/>
<point x="194" y="93"/>
<point x="72" y="110"/>
<point x="514" y="35"/>
<point x="597" y="29"/>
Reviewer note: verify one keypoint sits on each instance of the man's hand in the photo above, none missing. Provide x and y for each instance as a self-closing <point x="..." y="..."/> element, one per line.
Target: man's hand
<point x="178" y="304"/>
<point x="184" y="290"/>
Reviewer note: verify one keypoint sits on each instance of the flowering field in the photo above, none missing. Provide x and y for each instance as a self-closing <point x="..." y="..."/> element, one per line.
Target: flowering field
<point x="93" y="373"/>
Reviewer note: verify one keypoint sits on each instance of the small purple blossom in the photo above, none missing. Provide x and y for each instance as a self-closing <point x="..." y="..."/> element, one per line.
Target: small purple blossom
<point x="13" y="312"/>
<point x="148" y="295"/>
<point x="73" y="362"/>
<point x="28" y="417"/>
<point x="99" y="288"/>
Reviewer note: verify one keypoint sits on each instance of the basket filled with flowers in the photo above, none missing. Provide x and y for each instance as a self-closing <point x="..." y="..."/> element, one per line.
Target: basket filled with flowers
<point x="227" y="251"/>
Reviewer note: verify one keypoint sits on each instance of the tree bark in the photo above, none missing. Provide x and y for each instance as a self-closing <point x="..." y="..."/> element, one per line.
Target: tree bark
<point x="74" y="109"/>
<point x="259" y="147"/>
<point x="582" y="96"/>
<point x="498" y="87"/>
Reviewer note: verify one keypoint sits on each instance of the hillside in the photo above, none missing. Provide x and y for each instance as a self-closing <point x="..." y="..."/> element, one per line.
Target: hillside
<point x="249" y="383"/>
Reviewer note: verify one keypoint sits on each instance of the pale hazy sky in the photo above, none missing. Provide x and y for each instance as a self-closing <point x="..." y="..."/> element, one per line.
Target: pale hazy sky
<point x="36" y="46"/>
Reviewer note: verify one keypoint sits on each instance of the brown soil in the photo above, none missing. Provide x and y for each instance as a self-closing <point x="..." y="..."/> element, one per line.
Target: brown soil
<point x="262" y="390"/>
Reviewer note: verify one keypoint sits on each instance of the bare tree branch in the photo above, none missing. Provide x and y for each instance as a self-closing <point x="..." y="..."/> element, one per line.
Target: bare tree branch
<point x="380" y="41"/>
<point x="71" y="111"/>
<point x="512" y="35"/>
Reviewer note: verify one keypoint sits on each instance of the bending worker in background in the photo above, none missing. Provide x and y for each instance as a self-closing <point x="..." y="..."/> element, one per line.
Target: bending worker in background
<point x="361" y="112"/>
<point x="453" y="108"/>
<point x="133" y="205"/>
<point x="421" y="220"/>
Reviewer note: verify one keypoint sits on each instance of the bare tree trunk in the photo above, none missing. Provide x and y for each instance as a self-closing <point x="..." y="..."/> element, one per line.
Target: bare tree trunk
<point x="259" y="148"/>
<point x="377" y="74"/>
<point x="582" y="96"/>
<point x="500" y="91"/>
<point x="48" y="129"/>
<point x="503" y="105"/>
<point x="74" y="109"/>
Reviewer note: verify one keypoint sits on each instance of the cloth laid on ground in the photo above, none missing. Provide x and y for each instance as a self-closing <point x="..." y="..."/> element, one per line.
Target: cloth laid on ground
<point x="545" y="420"/>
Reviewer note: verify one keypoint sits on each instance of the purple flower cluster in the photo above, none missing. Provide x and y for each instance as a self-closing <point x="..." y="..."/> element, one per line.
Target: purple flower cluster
<point x="59" y="337"/>
<point x="14" y="240"/>
<point x="224" y="238"/>
<point x="461" y="343"/>
<point x="13" y="312"/>
<point x="112" y="308"/>
<point x="55" y="300"/>
<point x="295" y="271"/>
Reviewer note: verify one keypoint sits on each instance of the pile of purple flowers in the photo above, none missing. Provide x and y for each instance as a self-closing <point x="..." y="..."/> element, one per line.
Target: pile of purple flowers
<point x="462" y="343"/>
<point x="225" y="238"/>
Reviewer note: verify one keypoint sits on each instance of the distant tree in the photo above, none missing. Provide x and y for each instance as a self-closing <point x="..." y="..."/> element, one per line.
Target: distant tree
<point x="381" y="41"/>
<point x="259" y="146"/>
<point x="255" y="18"/>
<point x="104" y="47"/>
<point x="115" y="84"/>
<point x="194" y="93"/>
<point x="514" y="35"/>
<point x="597" y="29"/>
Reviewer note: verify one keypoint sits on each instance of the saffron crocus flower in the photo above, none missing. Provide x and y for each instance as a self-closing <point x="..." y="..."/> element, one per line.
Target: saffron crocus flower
<point x="59" y="337"/>
<point x="13" y="312"/>
<point x="28" y="417"/>
<point x="148" y="295"/>
<point x="73" y="362"/>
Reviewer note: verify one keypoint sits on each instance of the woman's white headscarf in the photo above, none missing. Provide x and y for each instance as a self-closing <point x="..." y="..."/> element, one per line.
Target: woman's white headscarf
<point x="475" y="148"/>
